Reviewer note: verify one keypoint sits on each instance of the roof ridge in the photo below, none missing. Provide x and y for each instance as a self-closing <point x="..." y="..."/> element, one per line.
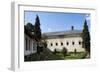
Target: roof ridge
<point x="62" y="31"/>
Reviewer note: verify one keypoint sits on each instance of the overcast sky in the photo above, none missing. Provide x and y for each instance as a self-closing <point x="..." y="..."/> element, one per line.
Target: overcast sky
<point x="55" y="21"/>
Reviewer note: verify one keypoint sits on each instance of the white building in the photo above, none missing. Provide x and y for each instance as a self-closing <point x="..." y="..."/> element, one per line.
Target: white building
<point x="70" y="39"/>
<point x="30" y="45"/>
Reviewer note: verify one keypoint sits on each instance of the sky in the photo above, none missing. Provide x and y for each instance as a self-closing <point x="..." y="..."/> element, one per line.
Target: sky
<point x="57" y="21"/>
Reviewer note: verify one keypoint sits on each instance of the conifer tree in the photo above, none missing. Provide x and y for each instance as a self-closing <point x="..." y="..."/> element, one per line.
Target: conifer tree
<point x="86" y="37"/>
<point x="37" y="29"/>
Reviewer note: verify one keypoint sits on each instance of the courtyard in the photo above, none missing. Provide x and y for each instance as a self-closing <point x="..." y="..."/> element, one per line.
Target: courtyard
<point x="48" y="55"/>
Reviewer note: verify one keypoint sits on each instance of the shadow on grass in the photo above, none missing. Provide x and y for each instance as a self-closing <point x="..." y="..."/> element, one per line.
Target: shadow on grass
<point x="49" y="55"/>
<point x="45" y="55"/>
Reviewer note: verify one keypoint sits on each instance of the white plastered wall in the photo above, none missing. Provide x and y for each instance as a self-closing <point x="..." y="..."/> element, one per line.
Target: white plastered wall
<point x="70" y="47"/>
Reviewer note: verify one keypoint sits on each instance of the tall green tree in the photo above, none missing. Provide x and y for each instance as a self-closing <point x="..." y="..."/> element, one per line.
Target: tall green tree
<point x="37" y="29"/>
<point x="86" y="37"/>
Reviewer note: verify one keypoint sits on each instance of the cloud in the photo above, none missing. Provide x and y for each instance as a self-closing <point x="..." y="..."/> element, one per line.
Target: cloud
<point x="88" y="17"/>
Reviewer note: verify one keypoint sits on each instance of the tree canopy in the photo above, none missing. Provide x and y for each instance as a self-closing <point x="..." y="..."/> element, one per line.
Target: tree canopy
<point x="86" y="37"/>
<point x="37" y="29"/>
<point x="30" y="27"/>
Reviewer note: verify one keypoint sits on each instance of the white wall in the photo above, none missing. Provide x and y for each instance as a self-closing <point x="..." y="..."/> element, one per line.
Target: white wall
<point x="32" y="47"/>
<point x="69" y="47"/>
<point x="5" y="40"/>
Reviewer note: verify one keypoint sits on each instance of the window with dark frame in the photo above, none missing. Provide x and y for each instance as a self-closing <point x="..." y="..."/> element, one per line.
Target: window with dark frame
<point x="73" y="43"/>
<point x="61" y="43"/>
<point x="29" y="45"/>
<point x="51" y="44"/>
<point x="33" y="46"/>
<point x="79" y="42"/>
<point x="56" y="44"/>
<point x="26" y="43"/>
<point x="67" y="43"/>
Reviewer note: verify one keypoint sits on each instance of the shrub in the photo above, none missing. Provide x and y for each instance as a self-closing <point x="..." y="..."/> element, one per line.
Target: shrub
<point x="55" y="51"/>
<point x="39" y="49"/>
<point x="64" y="51"/>
<point x="75" y="51"/>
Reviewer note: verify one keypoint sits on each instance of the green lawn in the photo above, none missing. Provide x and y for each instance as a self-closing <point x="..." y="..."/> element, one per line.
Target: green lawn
<point x="46" y="54"/>
<point x="72" y="55"/>
<point x="58" y="56"/>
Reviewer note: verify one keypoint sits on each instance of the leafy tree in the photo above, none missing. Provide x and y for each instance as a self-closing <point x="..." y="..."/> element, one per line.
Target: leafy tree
<point x="37" y="29"/>
<point x="30" y="26"/>
<point x="86" y="37"/>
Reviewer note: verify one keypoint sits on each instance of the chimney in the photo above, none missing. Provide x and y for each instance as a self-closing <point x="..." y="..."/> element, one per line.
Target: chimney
<point x="72" y="27"/>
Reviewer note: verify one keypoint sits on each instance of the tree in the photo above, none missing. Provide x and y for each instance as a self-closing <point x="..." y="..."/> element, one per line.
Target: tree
<point x="37" y="34"/>
<point x="29" y="29"/>
<point x="55" y="51"/>
<point x="64" y="51"/>
<point x="44" y="37"/>
<point x="30" y="26"/>
<point x="86" y="37"/>
<point x="37" y="29"/>
<point x="75" y="51"/>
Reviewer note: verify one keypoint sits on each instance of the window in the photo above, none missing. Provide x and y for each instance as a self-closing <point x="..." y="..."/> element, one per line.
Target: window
<point x="73" y="43"/>
<point x="34" y="46"/>
<point x="56" y="44"/>
<point x="26" y="43"/>
<point x="29" y="44"/>
<point x="79" y="42"/>
<point x="61" y="43"/>
<point x="67" y="43"/>
<point x="51" y="44"/>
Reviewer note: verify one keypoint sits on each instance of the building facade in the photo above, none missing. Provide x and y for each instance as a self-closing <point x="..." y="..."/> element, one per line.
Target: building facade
<point x="71" y="40"/>
<point x="30" y="45"/>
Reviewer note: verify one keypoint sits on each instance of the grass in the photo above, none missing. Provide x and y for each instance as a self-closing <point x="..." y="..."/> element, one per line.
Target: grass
<point x="45" y="55"/>
<point x="48" y="55"/>
<point x="72" y="55"/>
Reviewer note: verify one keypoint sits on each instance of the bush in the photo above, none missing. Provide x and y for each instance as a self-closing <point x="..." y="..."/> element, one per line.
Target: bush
<point x="64" y="51"/>
<point x="75" y="51"/>
<point x="55" y="51"/>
